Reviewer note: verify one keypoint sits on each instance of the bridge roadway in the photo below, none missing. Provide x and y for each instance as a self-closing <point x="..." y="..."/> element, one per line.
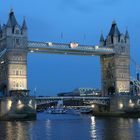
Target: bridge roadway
<point x="91" y="100"/>
<point x="70" y="49"/>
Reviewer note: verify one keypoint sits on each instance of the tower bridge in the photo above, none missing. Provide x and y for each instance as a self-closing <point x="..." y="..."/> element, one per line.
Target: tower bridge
<point x="114" y="53"/>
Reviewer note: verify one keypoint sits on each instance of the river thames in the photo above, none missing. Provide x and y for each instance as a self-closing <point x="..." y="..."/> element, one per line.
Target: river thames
<point x="71" y="127"/>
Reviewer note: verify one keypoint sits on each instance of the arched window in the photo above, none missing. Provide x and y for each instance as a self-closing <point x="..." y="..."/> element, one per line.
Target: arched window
<point x="17" y="41"/>
<point x="17" y="31"/>
<point x="13" y="72"/>
<point x="122" y="49"/>
<point x="20" y="72"/>
<point x="20" y="57"/>
<point x="16" y="84"/>
<point x="122" y="40"/>
<point x="16" y="72"/>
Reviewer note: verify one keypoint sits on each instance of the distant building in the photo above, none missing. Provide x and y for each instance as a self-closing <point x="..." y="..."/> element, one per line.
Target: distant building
<point x="67" y="94"/>
<point x="82" y="92"/>
<point x="135" y="87"/>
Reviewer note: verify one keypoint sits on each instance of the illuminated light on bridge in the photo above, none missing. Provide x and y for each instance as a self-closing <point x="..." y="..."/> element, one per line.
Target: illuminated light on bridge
<point x="9" y="104"/>
<point x="93" y="106"/>
<point x="20" y="104"/>
<point x="120" y="105"/>
<point x="131" y="104"/>
<point x="2" y="62"/>
<point x="73" y="45"/>
<point x="49" y="43"/>
<point x="30" y="103"/>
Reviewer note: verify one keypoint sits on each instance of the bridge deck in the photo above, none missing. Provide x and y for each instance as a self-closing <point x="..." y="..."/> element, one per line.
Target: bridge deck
<point x="72" y="97"/>
<point x="71" y="49"/>
<point x="91" y="100"/>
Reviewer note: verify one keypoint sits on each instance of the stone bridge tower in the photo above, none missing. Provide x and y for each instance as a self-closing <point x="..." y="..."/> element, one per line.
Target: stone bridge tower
<point x="13" y="65"/>
<point x="116" y="67"/>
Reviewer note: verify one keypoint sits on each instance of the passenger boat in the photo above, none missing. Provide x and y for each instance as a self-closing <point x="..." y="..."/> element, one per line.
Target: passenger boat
<point x="56" y="111"/>
<point x="59" y="109"/>
<point x="86" y="110"/>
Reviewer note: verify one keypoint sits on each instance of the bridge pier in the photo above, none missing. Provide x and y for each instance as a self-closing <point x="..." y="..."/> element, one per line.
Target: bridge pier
<point x="15" y="108"/>
<point x="120" y="106"/>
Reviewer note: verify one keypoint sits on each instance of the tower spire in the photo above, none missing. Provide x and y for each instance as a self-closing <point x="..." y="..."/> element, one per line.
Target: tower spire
<point x="24" y="25"/>
<point x="114" y="29"/>
<point x="0" y="27"/>
<point x="11" y="10"/>
<point x="0" y="31"/>
<point x="12" y="22"/>
<point x="126" y="34"/>
<point x="102" y="37"/>
<point x="102" y="40"/>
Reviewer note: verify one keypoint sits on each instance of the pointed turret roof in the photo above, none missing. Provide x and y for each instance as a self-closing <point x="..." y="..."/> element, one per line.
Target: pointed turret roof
<point x="0" y="26"/>
<point x="24" y="25"/>
<point x="114" y="30"/>
<point x="12" y="22"/>
<point x="126" y="34"/>
<point x="101" y="37"/>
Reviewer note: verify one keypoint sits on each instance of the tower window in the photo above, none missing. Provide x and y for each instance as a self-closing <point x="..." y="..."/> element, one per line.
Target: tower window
<point x="17" y="42"/>
<point x="122" y="49"/>
<point x="17" y="85"/>
<point x="20" y="84"/>
<point x="17" y="72"/>
<point x="13" y="83"/>
<point x="20" y="72"/>
<point x="122" y="40"/>
<point x="14" y="72"/>
<point x="17" y="32"/>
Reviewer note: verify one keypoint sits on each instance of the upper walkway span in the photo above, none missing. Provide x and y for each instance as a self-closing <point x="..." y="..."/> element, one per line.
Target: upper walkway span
<point x="71" y="49"/>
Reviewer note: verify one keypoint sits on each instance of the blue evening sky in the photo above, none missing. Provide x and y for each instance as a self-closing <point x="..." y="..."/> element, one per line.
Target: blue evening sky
<point x="47" y="19"/>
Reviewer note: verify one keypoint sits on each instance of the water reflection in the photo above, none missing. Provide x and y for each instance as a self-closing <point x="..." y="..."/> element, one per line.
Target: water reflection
<point x="49" y="130"/>
<point x="115" y="128"/>
<point x="70" y="127"/>
<point x="14" y="130"/>
<point x="93" y="128"/>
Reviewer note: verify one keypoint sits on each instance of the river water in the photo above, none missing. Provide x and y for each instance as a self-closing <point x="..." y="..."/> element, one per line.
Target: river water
<point x="71" y="127"/>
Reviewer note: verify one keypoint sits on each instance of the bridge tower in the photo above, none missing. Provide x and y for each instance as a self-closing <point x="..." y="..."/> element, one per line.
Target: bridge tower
<point x="13" y="65"/>
<point x="116" y="67"/>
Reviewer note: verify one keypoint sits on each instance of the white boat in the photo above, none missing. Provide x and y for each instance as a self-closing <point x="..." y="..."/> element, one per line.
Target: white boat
<point x="86" y="110"/>
<point x="80" y="111"/>
<point x="73" y="111"/>
<point x="59" y="109"/>
<point x="56" y="111"/>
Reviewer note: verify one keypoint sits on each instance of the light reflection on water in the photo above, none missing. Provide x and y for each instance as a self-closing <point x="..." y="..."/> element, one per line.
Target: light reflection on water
<point x="71" y="127"/>
<point x="93" y="128"/>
